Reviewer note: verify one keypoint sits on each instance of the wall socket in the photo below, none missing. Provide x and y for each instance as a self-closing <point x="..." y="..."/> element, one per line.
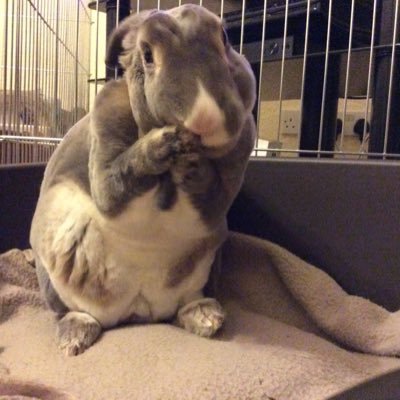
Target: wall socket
<point x="290" y="122"/>
<point x="350" y="121"/>
<point x="273" y="48"/>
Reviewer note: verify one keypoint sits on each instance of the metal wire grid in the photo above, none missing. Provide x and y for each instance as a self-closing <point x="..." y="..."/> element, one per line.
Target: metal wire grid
<point x="44" y="67"/>
<point x="271" y="146"/>
<point x="348" y="144"/>
<point x="340" y="150"/>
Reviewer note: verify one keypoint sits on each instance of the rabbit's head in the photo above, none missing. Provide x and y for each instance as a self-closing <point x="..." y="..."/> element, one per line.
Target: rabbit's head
<point x="181" y="70"/>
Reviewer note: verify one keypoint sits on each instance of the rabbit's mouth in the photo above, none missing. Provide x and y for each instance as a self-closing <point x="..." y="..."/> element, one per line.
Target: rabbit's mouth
<point x="204" y="125"/>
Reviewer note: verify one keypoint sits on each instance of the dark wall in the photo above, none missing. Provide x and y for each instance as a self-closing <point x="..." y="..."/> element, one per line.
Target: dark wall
<point x="19" y="191"/>
<point x="342" y="217"/>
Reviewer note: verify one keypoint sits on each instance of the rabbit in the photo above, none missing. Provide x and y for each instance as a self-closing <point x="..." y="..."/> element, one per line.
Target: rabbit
<point x="132" y="209"/>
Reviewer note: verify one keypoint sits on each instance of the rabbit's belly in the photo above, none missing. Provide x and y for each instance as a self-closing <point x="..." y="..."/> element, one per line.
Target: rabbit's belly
<point x="142" y="287"/>
<point x="160" y="258"/>
<point x="140" y="292"/>
<point x="139" y="266"/>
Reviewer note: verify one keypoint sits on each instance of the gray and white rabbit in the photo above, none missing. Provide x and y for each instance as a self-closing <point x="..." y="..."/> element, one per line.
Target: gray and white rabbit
<point x="132" y="209"/>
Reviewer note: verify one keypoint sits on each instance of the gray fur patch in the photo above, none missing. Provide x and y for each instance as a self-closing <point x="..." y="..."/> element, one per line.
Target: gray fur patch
<point x="47" y="290"/>
<point x="70" y="160"/>
<point x="188" y="264"/>
<point x="166" y="192"/>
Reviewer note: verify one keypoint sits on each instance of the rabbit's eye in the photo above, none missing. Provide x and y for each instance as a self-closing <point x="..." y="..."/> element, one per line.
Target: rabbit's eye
<point x="147" y="54"/>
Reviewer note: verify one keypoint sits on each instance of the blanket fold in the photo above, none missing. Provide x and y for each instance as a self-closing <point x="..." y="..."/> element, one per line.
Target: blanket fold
<point x="284" y="318"/>
<point x="351" y="320"/>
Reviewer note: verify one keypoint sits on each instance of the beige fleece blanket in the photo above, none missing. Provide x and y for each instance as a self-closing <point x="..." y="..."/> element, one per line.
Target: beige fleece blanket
<point x="275" y="344"/>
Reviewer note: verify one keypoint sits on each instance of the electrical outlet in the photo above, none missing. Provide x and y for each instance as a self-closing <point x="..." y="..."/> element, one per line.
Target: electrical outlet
<point x="273" y="48"/>
<point x="350" y="121"/>
<point x="290" y="122"/>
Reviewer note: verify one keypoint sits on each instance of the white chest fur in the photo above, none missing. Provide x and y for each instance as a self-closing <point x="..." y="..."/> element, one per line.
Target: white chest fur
<point x="142" y="220"/>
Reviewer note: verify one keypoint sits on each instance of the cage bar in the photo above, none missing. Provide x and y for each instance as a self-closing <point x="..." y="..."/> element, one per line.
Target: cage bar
<point x="261" y="60"/>
<point x="278" y="138"/>
<point x="391" y="75"/>
<point x="325" y="77"/>
<point x="303" y="74"/>
<point x="346" y="89"/>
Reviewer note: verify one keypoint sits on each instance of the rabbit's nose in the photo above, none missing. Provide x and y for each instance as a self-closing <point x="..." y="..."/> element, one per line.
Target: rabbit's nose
<point x="206" y="116"/>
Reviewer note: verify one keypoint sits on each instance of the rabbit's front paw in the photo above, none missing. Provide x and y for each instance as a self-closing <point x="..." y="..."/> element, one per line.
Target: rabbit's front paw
<point x="203" y="317"/>
<point x="165" y="145"/>
<point x="162" y="146"/>
<point x="189" y="141"/>
<point x="193" y="173"/>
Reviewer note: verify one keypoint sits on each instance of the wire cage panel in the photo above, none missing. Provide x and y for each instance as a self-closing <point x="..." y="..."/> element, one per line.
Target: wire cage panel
<point x="44" y="75"/>
<point x="327" y="71"/>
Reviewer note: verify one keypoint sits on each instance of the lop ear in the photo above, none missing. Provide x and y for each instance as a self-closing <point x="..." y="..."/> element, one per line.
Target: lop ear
<point x="244" y="78"/>
<point x="124" y="37"/>
<point x="114" y="45"/>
